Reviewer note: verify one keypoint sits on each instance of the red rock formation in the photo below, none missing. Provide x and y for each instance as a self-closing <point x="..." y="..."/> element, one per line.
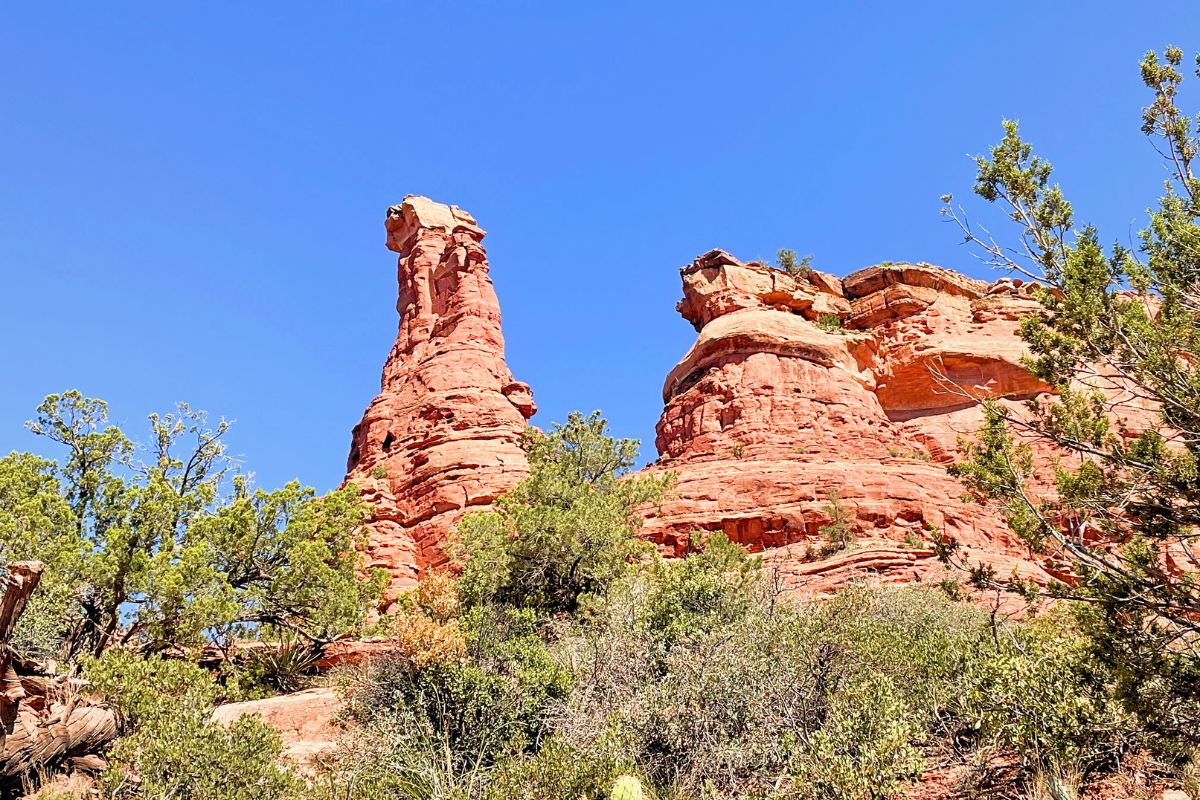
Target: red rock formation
<point x="769" y="413"/>
<point x="443" y="435"/>
<point x="305" y="720"/>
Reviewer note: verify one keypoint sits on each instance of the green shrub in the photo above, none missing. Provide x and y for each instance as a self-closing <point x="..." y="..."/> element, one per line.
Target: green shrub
<point x="557" y="771"/>
<point x="173" y="749"/>
<point x="690" y="675"/>
<point x="715" y="585"/>
<point x="282" y="666"/>
<point x="748" y="690"/>
<point x="918" y="638"/>
<point x="452" y="722"/>
<point x="793" y="264"/>
<point x="837" y="532"/>
<point x="863" y="750"/>
<point x="830" y="323"/>
<point x="1040" y="693"/>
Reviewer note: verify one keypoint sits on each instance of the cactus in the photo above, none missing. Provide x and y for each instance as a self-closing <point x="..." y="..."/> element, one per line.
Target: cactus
<point x="627" y="787"/>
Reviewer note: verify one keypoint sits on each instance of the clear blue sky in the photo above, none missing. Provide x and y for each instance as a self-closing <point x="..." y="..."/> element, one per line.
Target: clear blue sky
<point x="192" y="194"/>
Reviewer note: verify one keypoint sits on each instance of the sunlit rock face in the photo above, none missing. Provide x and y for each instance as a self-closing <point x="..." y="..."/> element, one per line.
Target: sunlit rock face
<point x="802" y="386"/>
<point x="798" y="387"/>
<point x="443" y="435"/>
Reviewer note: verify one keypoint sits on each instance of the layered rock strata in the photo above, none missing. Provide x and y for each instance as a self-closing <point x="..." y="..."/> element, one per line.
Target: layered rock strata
<point x="802" y="387"/>
<point x="443" y="435"/>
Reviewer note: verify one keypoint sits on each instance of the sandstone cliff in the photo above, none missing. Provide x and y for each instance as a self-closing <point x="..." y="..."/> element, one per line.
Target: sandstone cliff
<point x="770" y="413"/>
<point x="442" y="436"/>
<point x="797" y="387"/>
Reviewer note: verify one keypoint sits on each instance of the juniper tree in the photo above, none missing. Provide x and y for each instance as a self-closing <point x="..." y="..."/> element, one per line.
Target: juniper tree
<point x="1118" y="324"/>
<point x="567" y="530"/>
<point x="163" y="546"/>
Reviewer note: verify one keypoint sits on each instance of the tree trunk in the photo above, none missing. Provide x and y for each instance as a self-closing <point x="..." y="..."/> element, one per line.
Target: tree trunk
<point x="44" y="739"/>
<point x="42" y="724"/>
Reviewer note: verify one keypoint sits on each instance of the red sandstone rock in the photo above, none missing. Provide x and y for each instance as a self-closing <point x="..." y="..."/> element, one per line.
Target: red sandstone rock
<point x="768" y="414"/>
<point x="304" y="720"/>
<point x="443" y="435"/>
<point x="764" y="417"/>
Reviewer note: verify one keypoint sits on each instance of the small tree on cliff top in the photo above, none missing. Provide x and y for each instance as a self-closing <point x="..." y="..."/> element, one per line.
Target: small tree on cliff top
<point x="1125" y="505"/>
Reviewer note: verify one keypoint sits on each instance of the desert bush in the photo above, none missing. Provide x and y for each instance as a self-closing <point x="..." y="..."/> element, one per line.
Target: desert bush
<point x="449" y="723"/>
<point x="864" y="749"/>
<point x="830" y="323"/>
<point x="173" y="749"/>
<point x="1040" y="693"/>
<point x="421" y="640"/>
<point x="558" y="770"/>
<point x="285" y="665"/>
<point x="716" y="585"/>
<point x="791" y="263"/>
<point x="920" y="639"/>
<point x="692" y="675"/>
<point x="837" y="532"/>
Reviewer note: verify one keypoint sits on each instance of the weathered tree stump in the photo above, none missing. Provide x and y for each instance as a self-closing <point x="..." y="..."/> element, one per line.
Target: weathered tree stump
<point x="42" y="722"/>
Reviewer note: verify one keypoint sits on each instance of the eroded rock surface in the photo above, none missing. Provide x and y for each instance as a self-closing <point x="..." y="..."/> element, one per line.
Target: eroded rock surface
<point x="777" y="407"/>
<point x="305" y="720"/>
<point x="443" y="435"/>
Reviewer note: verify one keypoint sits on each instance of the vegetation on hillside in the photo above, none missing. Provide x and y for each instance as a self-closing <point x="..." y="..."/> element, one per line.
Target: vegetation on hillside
<point x="794" y="265"/>
<point x="158" y="555"/>
<point x="564" y="659"/>
<point x="567" y="658"/>
<point x="160" y="545"/>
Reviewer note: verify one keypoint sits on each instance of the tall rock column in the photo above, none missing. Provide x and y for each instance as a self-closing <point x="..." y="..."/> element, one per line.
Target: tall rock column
<point x="443" y="435"/>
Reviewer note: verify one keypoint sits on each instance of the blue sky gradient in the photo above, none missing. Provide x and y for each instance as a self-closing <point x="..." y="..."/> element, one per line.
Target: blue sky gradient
<point x="192" y="194"/>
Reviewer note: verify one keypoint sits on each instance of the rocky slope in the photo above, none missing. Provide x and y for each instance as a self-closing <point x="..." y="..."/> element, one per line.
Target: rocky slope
<point x="442" y="436"/>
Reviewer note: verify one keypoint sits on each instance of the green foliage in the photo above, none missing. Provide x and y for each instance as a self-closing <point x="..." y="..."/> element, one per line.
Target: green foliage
<point x="174" y="551"/>
<point x="626" y="787"/>
<point x="690" y="675"/>
<point x="837" y="532"/>
<point x="919" y="639"/>
<point x="1127" y="491"/>
<point x="793" y="264"/>
<point x="761" y="697"/>
<point x="830" y="323"/>
<point x="864" y="748"/>
<point x="447" y="724"/>
<point x="36" y="522"/>
<point x="557" y="770"/>
<point x="566" y="531"/>
<point x="173" y="749"/>
<point x="281" y="667"/>
<point x="1042" y="694"/>
<point x="713" y="586"/>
